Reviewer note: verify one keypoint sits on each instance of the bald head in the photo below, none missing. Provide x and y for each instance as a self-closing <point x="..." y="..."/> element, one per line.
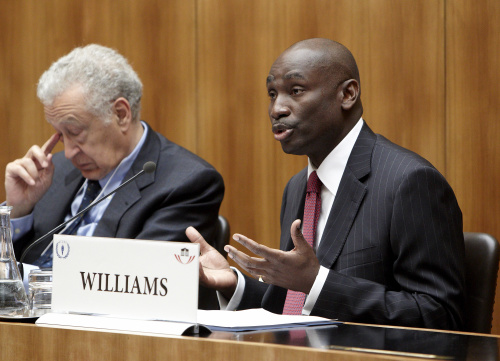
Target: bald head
<point x="330" y="55"/>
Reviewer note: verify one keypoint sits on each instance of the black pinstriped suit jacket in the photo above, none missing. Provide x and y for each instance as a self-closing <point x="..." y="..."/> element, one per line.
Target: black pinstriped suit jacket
<point x="393" y="242"/>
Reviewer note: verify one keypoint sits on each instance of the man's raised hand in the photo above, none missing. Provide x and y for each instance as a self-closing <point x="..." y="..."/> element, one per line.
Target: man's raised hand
<point x="28" y="178"/>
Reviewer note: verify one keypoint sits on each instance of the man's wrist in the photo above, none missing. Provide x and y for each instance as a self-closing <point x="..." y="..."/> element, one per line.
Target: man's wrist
<point x="228" y="292"/>
<point x="18" y="211"/>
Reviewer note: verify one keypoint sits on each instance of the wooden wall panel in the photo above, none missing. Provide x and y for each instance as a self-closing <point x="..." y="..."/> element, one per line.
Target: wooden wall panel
<point x="157" y="37"/>
<point x="473" y="107"/>
<point x="235" y="53"/>
<point x="400" y="51"/>
<point x="429" y="74"/>
<point x="32" y="35"/>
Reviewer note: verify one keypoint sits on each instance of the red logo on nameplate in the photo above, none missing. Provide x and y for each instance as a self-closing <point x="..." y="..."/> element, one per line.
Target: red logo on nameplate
<point x="184" y="257"/>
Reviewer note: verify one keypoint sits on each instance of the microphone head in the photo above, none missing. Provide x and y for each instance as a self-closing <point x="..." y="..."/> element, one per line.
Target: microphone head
<point x="149" y="167"/>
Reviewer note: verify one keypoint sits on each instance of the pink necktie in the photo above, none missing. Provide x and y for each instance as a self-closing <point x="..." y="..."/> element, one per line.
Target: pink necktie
<point x="295" y="300"/>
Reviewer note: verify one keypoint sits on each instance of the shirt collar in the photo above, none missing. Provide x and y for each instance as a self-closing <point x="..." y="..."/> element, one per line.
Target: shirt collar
<point x="118" y="173"/>
<point x="331" y="169"/>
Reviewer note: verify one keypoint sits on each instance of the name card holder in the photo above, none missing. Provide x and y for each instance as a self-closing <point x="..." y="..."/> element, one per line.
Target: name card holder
<point x="124" y="279"/>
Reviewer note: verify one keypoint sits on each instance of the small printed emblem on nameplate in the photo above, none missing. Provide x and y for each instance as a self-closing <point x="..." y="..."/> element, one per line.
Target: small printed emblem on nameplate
<point x="184" y="257"/>
<point x="62" y="249"/>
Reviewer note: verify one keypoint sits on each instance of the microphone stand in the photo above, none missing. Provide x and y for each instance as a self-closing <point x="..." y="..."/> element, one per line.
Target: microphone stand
<point x="148" y="167"/>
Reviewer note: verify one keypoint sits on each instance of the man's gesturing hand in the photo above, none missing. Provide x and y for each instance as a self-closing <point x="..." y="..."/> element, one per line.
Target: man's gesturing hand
<point x="214" y="269"/>
<point x="27" y="179"/>
<point x="295" y="270"/>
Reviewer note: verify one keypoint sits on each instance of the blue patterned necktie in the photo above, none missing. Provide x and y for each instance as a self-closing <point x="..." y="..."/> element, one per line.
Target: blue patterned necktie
<point x="91" y="193"/>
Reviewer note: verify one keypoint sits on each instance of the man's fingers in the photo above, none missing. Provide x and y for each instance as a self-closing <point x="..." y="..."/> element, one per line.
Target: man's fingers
<point x="18" y="170"/>
<point x="42" y="155"/>
<point x="36" y="154"/>
<point x="297" y="237"/>
<point x="195" y="237"/>
<point x="24" y="168"/>
<point x="51" y="143"/>
<point x="252" y="265"/>
<point x="256" y="248"/>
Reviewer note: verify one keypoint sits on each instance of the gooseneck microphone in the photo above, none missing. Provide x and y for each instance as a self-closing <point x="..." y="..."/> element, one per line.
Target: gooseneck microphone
<point x="148" y="167"/>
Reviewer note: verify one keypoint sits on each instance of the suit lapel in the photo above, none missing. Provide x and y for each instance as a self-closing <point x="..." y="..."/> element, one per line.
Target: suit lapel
<point x="131" y="194"/>
<point x="348" y="199"/>
<point x="47" y="216"/>
<point x="64" y="188"/>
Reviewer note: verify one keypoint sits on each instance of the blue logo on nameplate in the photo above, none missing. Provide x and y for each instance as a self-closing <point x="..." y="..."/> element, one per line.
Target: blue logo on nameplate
<point x="62" y="249"/>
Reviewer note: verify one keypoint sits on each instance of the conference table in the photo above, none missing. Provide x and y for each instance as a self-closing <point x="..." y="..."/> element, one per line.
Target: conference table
<point x="344" y="341"/>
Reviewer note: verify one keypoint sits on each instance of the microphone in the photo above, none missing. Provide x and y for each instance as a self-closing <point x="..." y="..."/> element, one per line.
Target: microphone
<point x="148" y="167"/>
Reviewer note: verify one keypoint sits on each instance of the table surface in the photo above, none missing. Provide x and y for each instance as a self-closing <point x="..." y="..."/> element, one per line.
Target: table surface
<point x="347" y="341"/>
<point x="395" y="341"/>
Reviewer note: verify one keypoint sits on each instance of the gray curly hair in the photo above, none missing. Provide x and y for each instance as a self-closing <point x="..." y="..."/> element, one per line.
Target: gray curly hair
<point x="104" y="74"/>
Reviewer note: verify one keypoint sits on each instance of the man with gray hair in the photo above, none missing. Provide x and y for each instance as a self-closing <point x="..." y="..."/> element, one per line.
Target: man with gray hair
<point x="92" y="98"/>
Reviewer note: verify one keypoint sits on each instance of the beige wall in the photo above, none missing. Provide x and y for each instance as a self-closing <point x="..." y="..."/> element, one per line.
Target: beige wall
<point x="429" y="72"/>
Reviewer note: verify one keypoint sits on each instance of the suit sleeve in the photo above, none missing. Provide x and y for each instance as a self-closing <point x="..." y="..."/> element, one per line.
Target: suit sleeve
<point x="173" y="204"/>
<point x="426" y="241"/>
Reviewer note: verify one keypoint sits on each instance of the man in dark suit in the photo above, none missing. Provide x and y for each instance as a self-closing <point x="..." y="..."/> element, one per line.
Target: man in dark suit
<point x="92" y="99"/>
<point x="387" y="240"/>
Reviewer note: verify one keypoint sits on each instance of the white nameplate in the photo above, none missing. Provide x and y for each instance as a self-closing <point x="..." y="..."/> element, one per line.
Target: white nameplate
<point x="127" y="278"/>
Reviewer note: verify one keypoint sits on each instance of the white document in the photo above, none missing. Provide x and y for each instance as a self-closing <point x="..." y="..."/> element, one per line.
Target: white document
<point x="128" y="278"/>
<point x="255" y="319"/>
<point x="232" y="321"/>
<point x="113" y="324"/>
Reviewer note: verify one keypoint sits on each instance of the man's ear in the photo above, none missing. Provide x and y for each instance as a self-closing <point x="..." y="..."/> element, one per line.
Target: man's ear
<point x="350" y="93"/>
<point x="121" y="109"/>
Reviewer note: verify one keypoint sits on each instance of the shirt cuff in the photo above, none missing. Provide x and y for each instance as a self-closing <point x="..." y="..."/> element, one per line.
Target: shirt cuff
<point x="234" y="302"/>
<point x="315" y="290"/>
<point x="21" y="226"/>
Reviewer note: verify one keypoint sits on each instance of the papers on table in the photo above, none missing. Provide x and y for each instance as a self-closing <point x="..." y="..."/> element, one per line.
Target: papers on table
<point x="114" y="324"/>
<point x="255" y="319"/>
<point x="233" y="321"/>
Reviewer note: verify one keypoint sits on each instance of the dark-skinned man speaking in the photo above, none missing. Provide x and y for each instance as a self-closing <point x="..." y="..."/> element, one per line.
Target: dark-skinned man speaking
<point x="370" y="232"/>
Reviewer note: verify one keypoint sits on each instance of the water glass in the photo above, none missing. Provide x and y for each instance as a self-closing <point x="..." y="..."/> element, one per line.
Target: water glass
<point x="40" y="291"/>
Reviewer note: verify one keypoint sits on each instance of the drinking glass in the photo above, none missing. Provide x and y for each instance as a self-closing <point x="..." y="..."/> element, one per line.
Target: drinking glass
<point x="40" y="291"/>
